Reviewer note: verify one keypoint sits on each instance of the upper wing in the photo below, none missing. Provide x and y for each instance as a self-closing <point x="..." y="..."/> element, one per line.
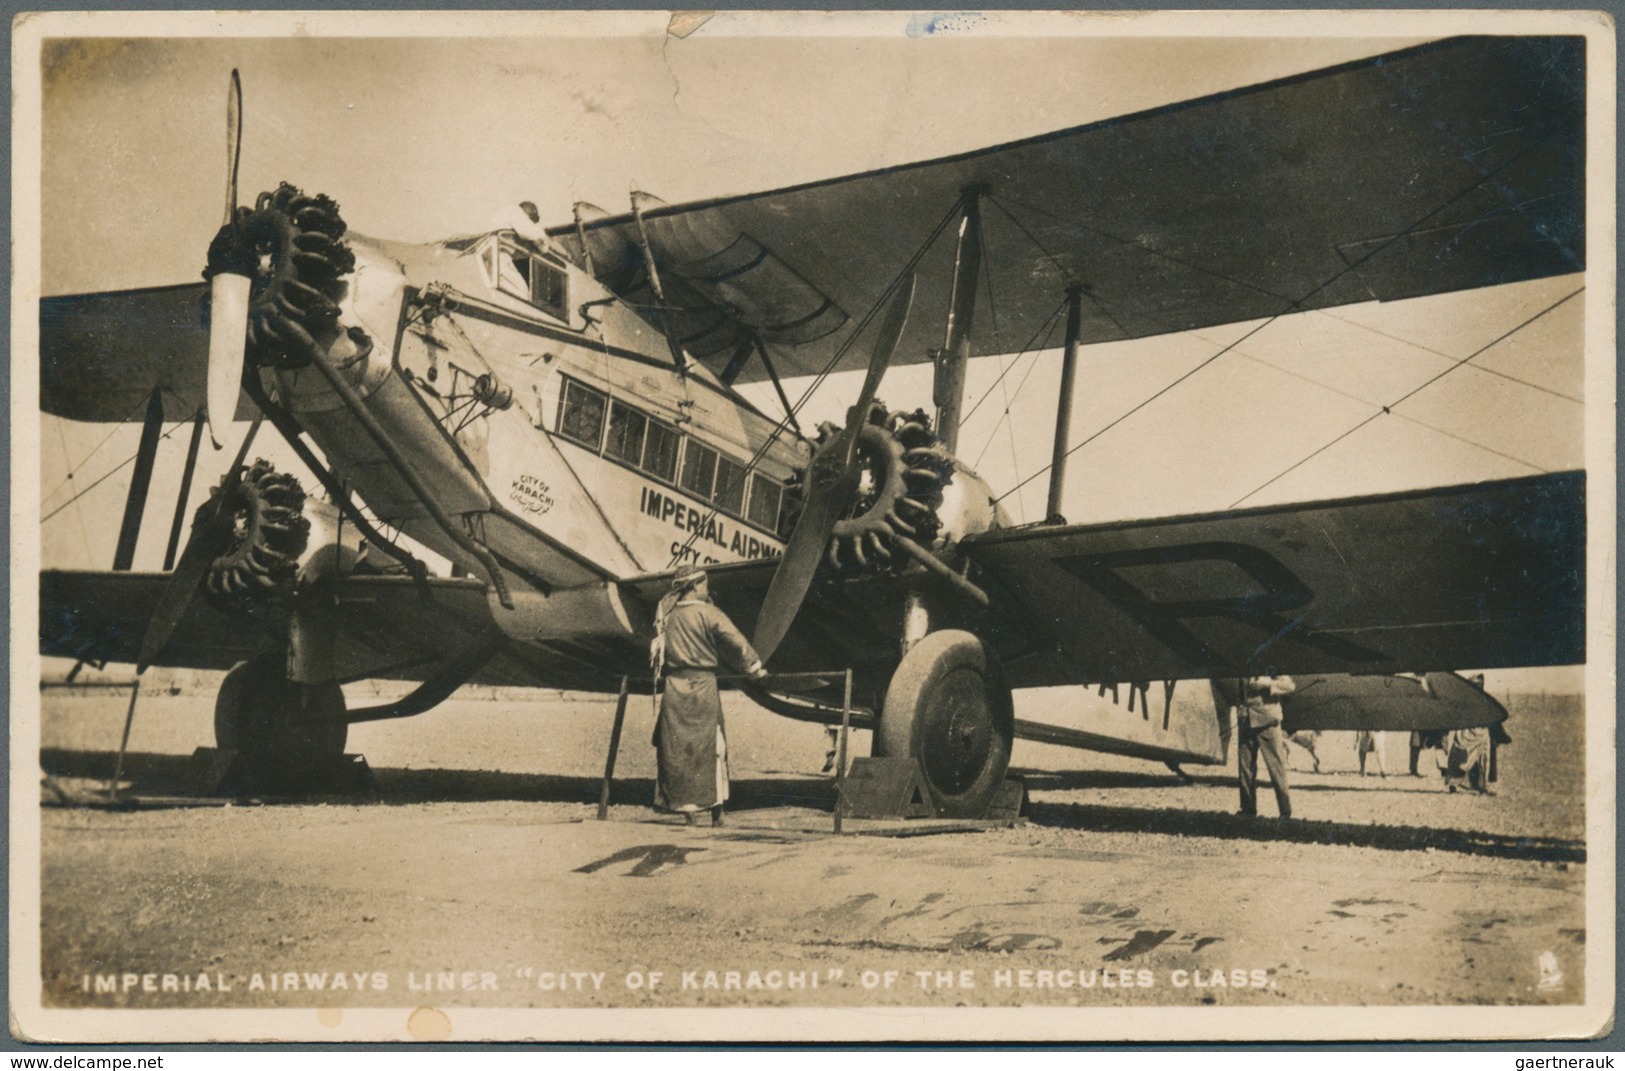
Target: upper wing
<point x="1445" y="167"/>
<point x="102" y="354"/>
<point x="1484" y="575"/>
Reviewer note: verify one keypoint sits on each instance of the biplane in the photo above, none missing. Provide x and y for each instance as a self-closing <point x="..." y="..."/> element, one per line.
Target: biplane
<point x="555" y="412"/>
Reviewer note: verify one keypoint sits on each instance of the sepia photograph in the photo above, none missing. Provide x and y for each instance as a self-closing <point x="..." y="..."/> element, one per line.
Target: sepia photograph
<point x="812" y="526"/>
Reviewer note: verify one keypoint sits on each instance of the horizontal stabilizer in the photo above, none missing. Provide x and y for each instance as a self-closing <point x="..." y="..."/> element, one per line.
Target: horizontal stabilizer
<point x="1428" y="703"/>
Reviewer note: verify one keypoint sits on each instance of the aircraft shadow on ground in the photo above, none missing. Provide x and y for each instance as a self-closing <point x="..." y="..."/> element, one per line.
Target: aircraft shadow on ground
<point x="176" y="776"/>
<point x="1186" y="823"/>
<point x="1159" y="777"/>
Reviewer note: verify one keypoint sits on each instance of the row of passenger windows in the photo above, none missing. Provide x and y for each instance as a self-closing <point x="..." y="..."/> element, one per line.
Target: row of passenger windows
<point x="616" y="430"/>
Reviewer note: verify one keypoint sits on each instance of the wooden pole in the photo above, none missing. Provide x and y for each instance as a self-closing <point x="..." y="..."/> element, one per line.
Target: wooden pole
<point x="840" y="760"/>
<point x="1063" y="411"/>
<point x="614" y="747"/>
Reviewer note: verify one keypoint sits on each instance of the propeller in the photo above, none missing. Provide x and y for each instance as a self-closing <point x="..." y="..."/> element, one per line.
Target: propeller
<point x="212" y="530"/>
<point x="228" y="294"/>
<point x="831" y="480"/>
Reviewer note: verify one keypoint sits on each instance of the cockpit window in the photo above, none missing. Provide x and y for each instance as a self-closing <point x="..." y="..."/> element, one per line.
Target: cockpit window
<point x="516" y="268"/>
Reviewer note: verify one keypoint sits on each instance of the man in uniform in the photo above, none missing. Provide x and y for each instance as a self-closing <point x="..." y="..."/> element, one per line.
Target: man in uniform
<point x="1258" y="718"/>
<point x="689" y="738"/>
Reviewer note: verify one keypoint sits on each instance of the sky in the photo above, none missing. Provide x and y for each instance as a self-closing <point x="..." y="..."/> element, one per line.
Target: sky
<point x="432" y="134"/>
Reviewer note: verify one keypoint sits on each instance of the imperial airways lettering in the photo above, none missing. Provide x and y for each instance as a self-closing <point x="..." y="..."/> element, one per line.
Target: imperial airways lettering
<point x="709" y="527"/>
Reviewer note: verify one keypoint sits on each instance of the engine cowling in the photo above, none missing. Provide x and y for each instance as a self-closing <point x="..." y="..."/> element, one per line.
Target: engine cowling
<point x="910" y="488"/>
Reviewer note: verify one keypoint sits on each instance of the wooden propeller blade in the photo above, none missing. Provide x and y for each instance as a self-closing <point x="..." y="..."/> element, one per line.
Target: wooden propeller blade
<point x="228" y="295"/>
<point x="210" y="536"/>
<point x="206" y="543"/>
<point x="831" y="480"/>
<point x="234" y="144"/>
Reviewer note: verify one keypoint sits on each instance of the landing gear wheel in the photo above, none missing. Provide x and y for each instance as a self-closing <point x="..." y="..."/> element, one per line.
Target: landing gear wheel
<point x="268" y="533"/>
<point x="291" y="247"/>
<point x="283" y="745"/>
<point x="949" y="708"/>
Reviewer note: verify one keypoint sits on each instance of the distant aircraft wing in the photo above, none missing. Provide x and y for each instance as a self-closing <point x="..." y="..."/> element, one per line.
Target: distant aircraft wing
<point x="1484" y="575"/>
<point x="1450" y="166"/>
<point x="1422" y="703"/>
<point x="389" y="627"/>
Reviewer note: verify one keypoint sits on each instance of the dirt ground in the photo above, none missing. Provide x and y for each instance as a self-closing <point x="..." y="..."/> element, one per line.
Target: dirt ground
<point x="478" y="878"/>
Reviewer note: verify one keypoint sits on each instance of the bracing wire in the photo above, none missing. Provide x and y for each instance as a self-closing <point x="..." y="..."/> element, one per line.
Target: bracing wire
<point x="1067" y="275"/>
<point x="1408" y="419"/>
<point x="108" y="474"/>
<point x="1439" y="353"/>
<point x="840" y="352"/>
<point x="1295" y="305"/>
<point x="1047" y="328"/>
<point x="73" y="470"/>
<point x="1384" y="410"/>
<point x="998" y="346"/>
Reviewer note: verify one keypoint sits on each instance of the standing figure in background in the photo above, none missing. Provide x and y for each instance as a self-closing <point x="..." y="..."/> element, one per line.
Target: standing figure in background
<point x="1307" y="739"/>
<point x="1372" y="742"/>
<point x="1467" y="753"/>
<point x="690" y="740"/>
<point x="1259" y="724"/>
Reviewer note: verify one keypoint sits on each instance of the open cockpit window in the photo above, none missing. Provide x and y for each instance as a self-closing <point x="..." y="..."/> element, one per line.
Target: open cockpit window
<point x="517" y="268"/>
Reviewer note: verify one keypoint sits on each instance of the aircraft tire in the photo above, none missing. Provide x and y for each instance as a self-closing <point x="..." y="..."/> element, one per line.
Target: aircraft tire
<point x="291" y="246"/>
<point x="949" y="708"/>
<point x="256" y="714"/>
<point x="269" y="533"/>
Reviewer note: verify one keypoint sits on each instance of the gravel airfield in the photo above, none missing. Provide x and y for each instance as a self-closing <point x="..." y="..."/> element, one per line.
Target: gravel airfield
<point x="477" y="877"/>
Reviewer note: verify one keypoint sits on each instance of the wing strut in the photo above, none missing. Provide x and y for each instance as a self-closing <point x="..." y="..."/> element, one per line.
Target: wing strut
<point x="1063" y="409"/>
<point x="135" y="505"/>
<point x="948" y="391"/>
<point x="186" y="492"/>
<point x="672" y="342"/>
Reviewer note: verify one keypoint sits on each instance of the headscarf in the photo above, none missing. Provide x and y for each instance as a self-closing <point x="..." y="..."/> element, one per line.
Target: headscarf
<point x="685" y="580"/>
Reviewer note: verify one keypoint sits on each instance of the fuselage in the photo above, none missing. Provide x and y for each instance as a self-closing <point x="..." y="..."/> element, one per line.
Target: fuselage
<point x="543" y="415"/>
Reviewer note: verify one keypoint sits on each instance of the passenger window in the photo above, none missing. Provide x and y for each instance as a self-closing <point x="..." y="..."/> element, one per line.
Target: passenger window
<point x="730" y="485"/>
<point x="626" y="432"/>
<point x="765" y="500"/>
<point x="699" y="469"/>
<point x="660" y="451"/>
<point x="582" y="415"/>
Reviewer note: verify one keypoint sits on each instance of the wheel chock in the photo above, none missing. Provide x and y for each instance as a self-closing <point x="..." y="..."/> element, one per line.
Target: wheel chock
<point x="218" y="771"/>
<point x="1010" y="802"/>
<point x="885" y="788"/>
